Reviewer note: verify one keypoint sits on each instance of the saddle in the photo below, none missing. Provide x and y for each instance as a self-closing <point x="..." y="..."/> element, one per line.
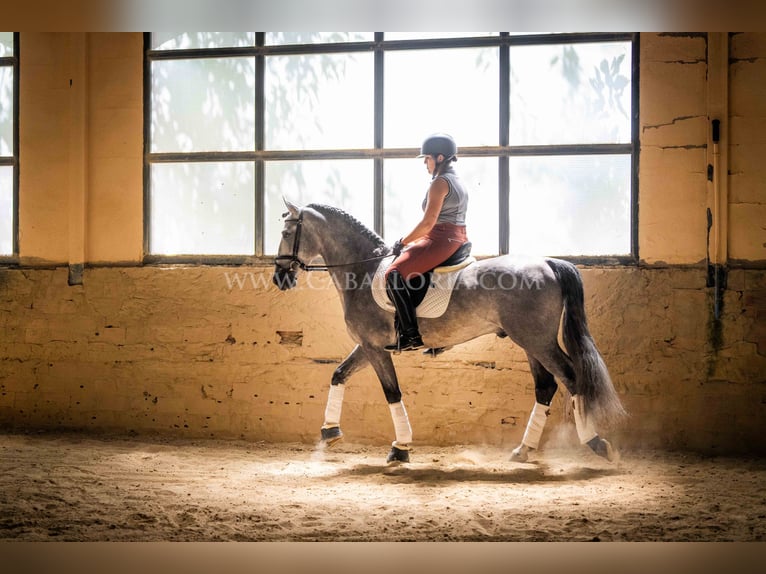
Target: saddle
<point x="431" y="297"/>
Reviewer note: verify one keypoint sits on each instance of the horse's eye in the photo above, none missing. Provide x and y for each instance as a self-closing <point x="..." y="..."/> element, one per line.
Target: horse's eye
<point x="285" y="214"/>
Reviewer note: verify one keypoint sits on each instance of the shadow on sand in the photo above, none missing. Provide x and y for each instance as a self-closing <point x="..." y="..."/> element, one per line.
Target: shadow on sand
<point x="434" y="475"/>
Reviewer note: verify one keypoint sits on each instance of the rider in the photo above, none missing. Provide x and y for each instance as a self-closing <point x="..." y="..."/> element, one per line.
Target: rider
<point x="434" y="239"/>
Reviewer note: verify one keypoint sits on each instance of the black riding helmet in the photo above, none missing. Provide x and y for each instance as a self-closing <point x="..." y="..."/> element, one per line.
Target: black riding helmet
<point x="439" y="144"/>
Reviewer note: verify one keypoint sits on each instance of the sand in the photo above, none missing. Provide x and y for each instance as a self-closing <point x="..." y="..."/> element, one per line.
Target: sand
<point x="78" y="487"/>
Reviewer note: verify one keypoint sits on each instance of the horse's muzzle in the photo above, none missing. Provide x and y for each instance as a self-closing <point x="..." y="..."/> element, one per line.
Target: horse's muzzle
<point x="284" y="278"/>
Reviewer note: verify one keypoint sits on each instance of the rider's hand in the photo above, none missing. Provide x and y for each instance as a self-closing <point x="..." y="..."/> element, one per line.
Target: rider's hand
<point x="397" y="248"/>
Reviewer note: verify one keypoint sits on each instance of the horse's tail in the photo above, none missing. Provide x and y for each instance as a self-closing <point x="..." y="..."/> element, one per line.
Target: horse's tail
<point x="592" y="380"/>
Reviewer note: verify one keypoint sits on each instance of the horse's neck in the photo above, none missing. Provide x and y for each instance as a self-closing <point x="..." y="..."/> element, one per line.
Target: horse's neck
<point x="349" y="254"/>
<point x="342" y="244"/>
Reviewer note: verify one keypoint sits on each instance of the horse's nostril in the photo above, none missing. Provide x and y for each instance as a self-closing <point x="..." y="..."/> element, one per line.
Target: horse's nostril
<point x="284" y="279"/>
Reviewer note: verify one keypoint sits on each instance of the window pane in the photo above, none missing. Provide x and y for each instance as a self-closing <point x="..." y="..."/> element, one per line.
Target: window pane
<point x="6" y="44"/>
<point x="453" y="91"/>
<point x="482" y="221"/>
<point x="570" y="94"/>
<point x="195" y="40"/>
<point x="6" y="210"/>
<point x="347" y="184"/>
<point x="203" y="105"/>
<point x="406" y="185"/>
<point x="202" y="208"/>
<point x="431" y="35"/>
<point x="6" y="110"/>
<point x="319" y="101"/>
<point x="570" y="205"/>
<point x="317" y="37"/>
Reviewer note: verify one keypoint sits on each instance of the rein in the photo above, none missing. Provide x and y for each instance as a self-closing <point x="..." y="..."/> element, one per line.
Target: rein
<point x="294" y="259"/>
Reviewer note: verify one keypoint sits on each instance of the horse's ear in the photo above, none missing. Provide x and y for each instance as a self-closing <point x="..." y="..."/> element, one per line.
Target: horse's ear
<point x="293" y="209"/>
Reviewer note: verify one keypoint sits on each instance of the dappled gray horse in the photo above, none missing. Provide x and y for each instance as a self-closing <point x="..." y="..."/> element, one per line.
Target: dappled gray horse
<point x="507" y="296"/>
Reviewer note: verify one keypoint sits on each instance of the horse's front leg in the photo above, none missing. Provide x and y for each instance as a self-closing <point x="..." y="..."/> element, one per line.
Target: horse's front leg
<point x="356" y="360"/>
<point x="384" y="367"/>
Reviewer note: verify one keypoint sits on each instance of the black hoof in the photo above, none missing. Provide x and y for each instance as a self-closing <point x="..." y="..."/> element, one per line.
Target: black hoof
<point x="331" y="435"/>
<point x="398" y="455"/>
<point x="602" y="447"/>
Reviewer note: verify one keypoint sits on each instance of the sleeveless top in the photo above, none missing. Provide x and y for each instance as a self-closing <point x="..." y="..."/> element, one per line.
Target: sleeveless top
<point x="455" y="203"/>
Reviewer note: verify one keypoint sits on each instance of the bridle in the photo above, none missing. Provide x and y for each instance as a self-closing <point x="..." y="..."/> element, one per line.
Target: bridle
<point x="294" y="260"/>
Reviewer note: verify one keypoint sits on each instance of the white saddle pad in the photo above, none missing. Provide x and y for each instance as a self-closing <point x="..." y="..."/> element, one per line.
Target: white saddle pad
<point x="436" y="300"/>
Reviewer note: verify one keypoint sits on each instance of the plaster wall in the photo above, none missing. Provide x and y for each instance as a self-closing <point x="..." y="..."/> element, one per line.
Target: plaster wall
<point x="218" y="351"/>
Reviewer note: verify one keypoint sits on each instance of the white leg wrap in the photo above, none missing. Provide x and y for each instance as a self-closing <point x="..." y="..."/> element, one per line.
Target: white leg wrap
<point x="535" y="425"/>
<point x="334" y="405"/>
<point x="585" y="429"/>
<point x="401" y="425"/>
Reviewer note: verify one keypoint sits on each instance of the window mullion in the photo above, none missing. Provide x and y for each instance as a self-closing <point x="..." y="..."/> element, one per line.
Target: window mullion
<point x="503" y="176"/>
<point x="634" y="137"/>
<point x="379" y="184"/>
<point x="259" y="143"/>
<point x="16" y="152"/>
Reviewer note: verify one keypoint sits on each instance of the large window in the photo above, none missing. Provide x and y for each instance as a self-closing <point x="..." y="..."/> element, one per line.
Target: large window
<point x="545" y="123"/>
<point x="9" y="73"/>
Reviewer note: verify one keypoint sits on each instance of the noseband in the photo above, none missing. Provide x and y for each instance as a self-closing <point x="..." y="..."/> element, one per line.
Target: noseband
<point x="294" y="260"/>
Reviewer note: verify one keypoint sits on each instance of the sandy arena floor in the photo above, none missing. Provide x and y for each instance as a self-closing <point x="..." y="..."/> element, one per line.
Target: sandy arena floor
<point x="60" y="486"/>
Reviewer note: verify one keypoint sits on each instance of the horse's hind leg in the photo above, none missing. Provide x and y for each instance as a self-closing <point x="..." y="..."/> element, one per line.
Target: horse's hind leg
<point x="545" y="388"/>
<point x="331" y="432"/>
<point x="558" y="363"/>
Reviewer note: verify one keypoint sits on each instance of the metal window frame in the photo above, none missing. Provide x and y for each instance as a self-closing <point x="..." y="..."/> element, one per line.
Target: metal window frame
<point x="13" y="160"/>
<point x="378" y="153"/>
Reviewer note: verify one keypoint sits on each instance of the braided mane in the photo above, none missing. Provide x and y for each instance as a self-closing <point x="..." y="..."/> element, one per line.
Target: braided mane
<point x="356" y="225"/>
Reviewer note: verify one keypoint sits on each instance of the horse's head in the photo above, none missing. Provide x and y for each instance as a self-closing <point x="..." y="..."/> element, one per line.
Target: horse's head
<point x="286" y="261"/>
<point x="296" y="247"/>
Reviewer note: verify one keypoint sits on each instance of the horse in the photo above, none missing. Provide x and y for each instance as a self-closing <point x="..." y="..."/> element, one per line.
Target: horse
<point x="519" y="298"/>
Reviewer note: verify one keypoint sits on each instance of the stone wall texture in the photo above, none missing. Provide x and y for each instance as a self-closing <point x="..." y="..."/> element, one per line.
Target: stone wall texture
<point x="218" y="351"/>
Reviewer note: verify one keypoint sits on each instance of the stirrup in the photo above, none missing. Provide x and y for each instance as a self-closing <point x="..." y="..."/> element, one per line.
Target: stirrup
<point x="405" y="343"/>
<point x="433" y="351"/>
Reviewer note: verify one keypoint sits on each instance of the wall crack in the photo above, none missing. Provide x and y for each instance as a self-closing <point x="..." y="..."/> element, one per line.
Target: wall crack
<point x="670" y="123"/>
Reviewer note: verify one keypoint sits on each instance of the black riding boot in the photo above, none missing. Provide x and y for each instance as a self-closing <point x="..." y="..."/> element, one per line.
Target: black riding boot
<point x="408" y="336"/>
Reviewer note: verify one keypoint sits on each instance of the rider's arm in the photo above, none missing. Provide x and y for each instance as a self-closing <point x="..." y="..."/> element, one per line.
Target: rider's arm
<point x="436" y="194"/>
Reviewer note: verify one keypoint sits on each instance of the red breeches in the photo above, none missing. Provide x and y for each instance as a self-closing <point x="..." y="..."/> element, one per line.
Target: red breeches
<point x="430" y="250"/>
